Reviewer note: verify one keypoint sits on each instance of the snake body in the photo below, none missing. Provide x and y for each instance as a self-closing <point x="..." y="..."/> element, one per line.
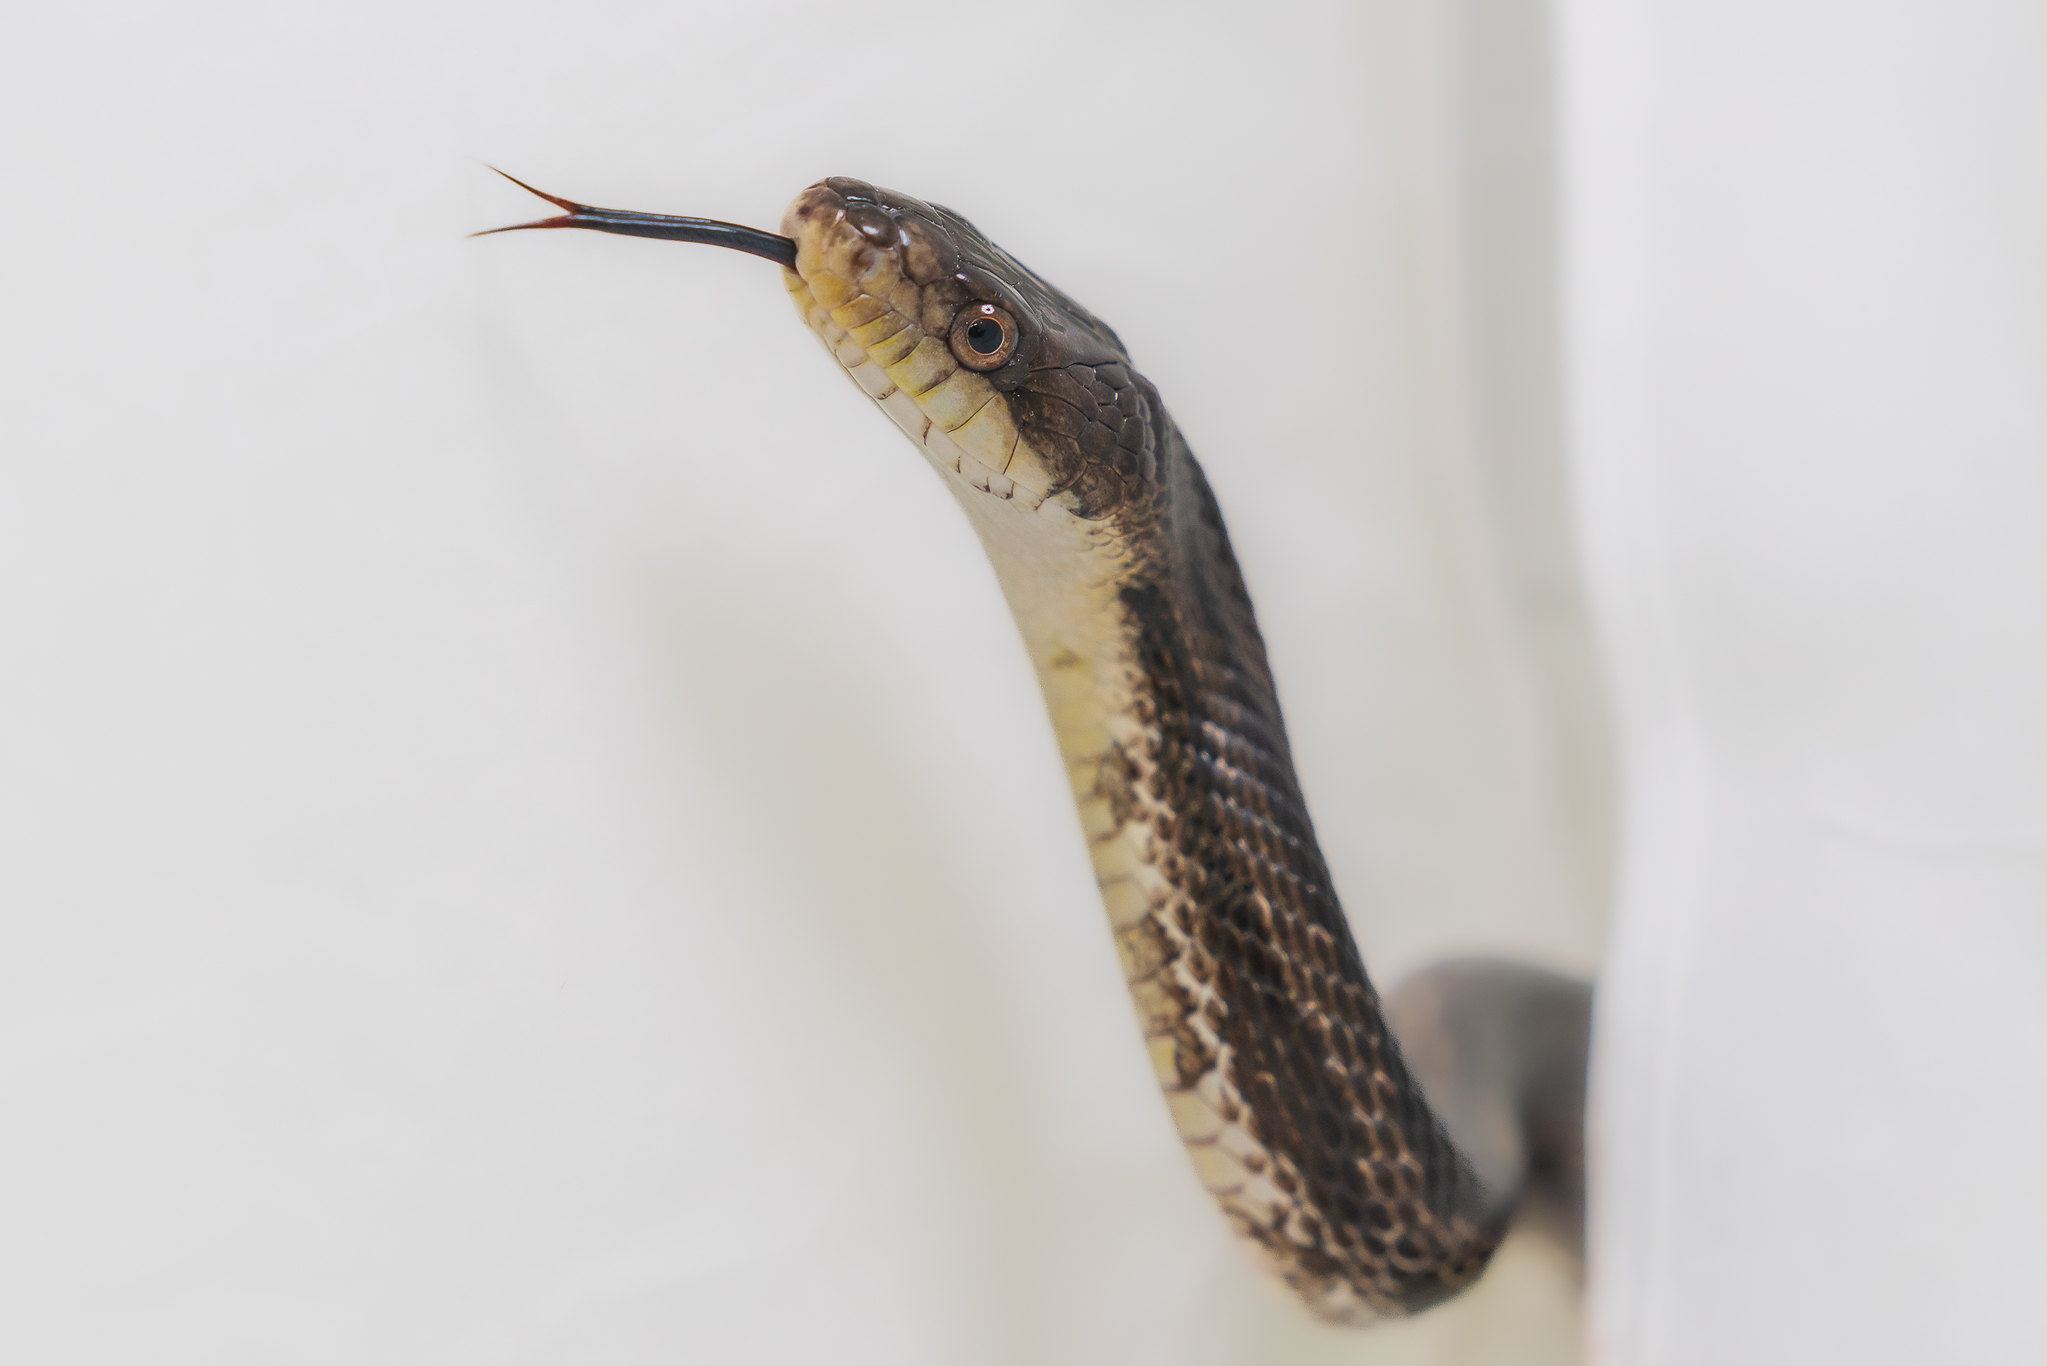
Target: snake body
<point x="1303" y="1117"/>
<point x="1374" y="1180"/>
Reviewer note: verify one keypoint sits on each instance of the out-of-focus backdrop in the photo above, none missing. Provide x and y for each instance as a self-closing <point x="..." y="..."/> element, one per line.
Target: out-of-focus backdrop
<point x="526" y="834"/>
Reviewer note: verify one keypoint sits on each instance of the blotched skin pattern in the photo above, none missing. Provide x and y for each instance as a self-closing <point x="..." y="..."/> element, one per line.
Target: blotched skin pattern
<point x="1292" y="1097"/>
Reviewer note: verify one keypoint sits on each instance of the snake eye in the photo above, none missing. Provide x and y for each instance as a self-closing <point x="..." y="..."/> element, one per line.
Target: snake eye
<point x="984" y="337"/>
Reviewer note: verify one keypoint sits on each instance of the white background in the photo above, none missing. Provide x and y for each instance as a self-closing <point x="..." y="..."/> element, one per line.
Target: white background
<point x="528" y="836"/>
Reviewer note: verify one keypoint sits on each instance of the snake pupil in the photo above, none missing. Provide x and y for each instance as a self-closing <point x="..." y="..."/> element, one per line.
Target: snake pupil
<point x="985" y="336"/>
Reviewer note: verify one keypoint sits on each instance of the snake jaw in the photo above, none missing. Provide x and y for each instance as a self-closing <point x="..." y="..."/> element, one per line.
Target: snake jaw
<point x="1061" y="418"/>
<point x="880" y="279"/>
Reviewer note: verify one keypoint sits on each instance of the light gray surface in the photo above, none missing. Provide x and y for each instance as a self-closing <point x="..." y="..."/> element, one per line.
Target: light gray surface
<point x="1807" y="352"/>
<point x="528" y="835"/>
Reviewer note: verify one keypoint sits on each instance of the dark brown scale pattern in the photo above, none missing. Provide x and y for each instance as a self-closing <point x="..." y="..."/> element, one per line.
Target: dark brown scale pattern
<point x="1101" y="423"/>
<point x="1393" y="1211"/>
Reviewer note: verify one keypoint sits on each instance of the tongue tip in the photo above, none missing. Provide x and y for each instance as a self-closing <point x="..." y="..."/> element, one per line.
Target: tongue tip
<point x="569" y="204"/>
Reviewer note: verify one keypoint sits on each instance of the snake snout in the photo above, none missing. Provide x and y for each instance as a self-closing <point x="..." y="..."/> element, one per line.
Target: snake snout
<point x="816" y="202"/>
<point x="865" y="233"/>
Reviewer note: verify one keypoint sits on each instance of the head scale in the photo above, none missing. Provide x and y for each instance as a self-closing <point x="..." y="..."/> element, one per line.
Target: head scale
<point x="998" y="377"/>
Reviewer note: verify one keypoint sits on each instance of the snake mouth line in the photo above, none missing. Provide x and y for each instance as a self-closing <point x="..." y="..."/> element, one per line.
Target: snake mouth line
<point x="933" y="438"/>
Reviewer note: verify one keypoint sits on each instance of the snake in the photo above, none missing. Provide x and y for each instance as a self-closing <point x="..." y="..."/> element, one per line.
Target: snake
<point x="1370" y="1151"/>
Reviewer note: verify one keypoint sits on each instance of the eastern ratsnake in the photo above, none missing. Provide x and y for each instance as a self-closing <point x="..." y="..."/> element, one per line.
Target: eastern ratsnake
<point x="1374" y="1177"/>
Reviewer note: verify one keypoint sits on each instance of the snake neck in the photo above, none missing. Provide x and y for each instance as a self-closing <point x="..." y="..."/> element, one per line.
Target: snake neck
<point x="1301" y="1116"/>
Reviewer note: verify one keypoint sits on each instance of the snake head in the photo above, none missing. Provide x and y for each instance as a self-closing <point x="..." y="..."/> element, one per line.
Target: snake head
<point x="1008" y="386"/>
<point x="1003" y="382"/>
